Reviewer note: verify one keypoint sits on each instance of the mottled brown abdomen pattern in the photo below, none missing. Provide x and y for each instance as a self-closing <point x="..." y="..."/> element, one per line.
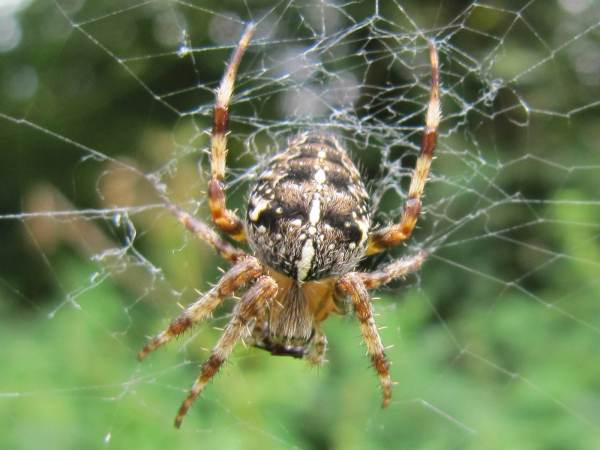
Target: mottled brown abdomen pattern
<point x="308" y="214"/>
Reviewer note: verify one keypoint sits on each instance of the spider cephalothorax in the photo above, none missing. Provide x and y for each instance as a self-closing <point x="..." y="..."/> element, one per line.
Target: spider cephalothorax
<point x="308" y="224"/>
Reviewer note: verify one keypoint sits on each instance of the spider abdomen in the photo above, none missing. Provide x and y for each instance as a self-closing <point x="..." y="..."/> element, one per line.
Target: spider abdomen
<point x="308" y="213"/>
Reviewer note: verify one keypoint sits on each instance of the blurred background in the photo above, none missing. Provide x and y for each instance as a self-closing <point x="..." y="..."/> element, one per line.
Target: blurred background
<point x="106" y="107"/>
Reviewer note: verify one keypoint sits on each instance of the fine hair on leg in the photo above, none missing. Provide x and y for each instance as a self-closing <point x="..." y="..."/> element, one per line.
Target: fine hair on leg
<point x="240" y="274"/>
<point x="224" y="218"/>
<point x="397" y="233"/>
<point x="352" y="286"/>
<point x="396" y="269"/>
<point x="244" y="314"/>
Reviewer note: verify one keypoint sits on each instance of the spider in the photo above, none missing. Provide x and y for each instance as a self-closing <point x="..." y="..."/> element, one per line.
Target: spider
<point x="308" y="225"/>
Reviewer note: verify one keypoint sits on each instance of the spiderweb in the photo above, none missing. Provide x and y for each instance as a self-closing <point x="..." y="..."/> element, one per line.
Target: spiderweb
<point x="107" y="110"/>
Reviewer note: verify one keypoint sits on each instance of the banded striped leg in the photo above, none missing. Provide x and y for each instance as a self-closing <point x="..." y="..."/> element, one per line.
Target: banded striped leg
<point x="396" y="269"/>
<point x="225" y="219"/>
<point x="249" y="307"/>
<point x="397" y="233"/>
<point x="240" y="274"/>
<point x="207" y="234"/>
<point x="316" y="353"/>
<point x="352" y="285"/>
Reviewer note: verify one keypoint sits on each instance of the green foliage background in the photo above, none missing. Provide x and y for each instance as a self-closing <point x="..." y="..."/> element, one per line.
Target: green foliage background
<point x="495" y="343"/>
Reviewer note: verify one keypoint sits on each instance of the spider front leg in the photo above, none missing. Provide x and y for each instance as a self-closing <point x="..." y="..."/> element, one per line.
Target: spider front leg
<point x="395" y="269"/>
<point x="207" y="234"/>
<point x="397" y="233"/>
<point x="352" y="285"/>
<point x="240" y="274"/>
<point x="225" y="219"/>
<point x="249" y="307"/>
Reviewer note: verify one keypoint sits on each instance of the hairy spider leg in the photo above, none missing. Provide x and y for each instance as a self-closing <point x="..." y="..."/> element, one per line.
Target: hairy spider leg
<point x="224" y="218"/>
<point x="316" y="353"/>
<point x="253" y="306"/>
<point x="207" y="234"/>
<point x="237" y="276"/>
<point x="248" y="308"/>
<point x="352" y="285"/>
<point x="397" y="233"/>
<point x="396" y="269"/>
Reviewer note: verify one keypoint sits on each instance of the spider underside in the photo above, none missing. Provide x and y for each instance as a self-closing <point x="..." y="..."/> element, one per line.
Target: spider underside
<point x="307" y="225"/>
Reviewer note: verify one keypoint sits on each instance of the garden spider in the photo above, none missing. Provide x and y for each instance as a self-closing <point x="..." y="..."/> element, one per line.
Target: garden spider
<point x="307" y="225"/>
